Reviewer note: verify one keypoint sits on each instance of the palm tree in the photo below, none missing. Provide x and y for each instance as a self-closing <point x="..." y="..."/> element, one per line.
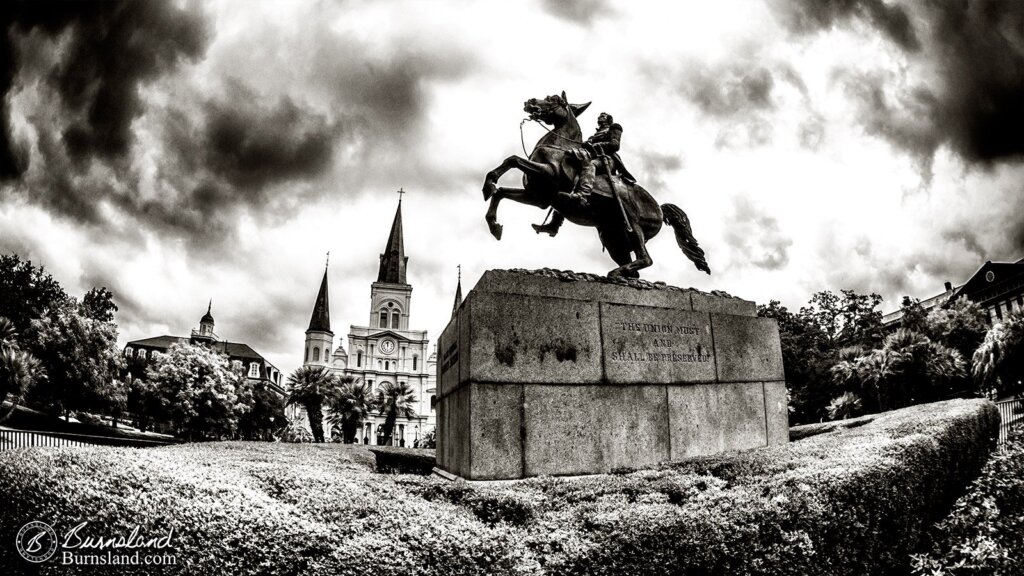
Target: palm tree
<point x="7" y="333"/>
<point x="998" y="363"/>
<point x="19" y="371"/>
<point x="395" y="401"/>
<point x="352" y="406"/>
<point x="311" y="386"/>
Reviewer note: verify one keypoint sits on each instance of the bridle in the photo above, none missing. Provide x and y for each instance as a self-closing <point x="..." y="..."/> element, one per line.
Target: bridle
<point x="522" y="140"/>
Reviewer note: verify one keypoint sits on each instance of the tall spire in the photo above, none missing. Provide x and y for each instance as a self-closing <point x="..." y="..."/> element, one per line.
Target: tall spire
<point x="208" y="317"/>
<point x="458" y="293"/>
<point x="393" y="260"/>
<point x="321" y="319"/>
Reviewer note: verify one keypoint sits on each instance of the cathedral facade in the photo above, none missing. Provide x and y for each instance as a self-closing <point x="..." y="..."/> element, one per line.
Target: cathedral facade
<point x="385" y="350"/>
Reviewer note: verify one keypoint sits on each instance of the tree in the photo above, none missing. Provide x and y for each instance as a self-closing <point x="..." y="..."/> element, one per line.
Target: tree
<point x="198" y="392"/>
<point x="395" y="401"/>
<point x="311" y="386"/>
<point x="19" y="371"/>
<point x="961" y="325"/>
<point x="352" y="406"/>
<point x="914" y="315"/>
<point x="907" y="369"/>
<point x="852" y="319"/>
<point x="265" y="417"/>
<point x="807" y="355"/>
<point x="26" y="292"/>
<point x="82" y="361"/>
<point x="98" y="304"/>
<point x="999" y="360"/>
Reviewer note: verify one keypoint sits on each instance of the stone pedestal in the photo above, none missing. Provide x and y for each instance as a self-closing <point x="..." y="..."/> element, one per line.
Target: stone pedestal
<point x="547" y="373"/>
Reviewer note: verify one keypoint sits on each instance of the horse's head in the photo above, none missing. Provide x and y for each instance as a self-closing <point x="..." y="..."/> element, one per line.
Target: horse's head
<point x="554" y="110"/>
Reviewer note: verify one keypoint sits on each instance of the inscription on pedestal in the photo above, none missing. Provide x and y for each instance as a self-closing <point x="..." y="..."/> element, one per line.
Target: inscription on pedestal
<point x="645" y="344"/>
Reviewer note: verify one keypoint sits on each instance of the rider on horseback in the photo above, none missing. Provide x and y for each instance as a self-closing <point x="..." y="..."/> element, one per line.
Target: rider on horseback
<point x="601" y="149"/>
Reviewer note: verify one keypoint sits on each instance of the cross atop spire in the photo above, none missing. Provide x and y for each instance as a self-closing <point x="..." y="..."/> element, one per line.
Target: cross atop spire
<point x="400" y="192"/>
<point x="328" y="263"/>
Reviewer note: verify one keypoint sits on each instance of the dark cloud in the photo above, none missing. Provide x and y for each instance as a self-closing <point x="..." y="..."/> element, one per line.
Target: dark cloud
<point x="110" y="49"/>
<point x="963" y="86"/>
<point x="251" y="146"/>
<point x="740" y="95"/>
<point x="810" y="16"/>
<point x="582" y="12"/>
<point x="757" y="236"/>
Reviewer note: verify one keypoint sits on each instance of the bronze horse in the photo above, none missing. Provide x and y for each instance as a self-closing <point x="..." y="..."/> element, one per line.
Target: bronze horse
<point x="624" y="224"/>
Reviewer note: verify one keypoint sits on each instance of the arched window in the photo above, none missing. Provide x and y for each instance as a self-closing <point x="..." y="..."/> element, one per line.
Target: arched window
<point x="307" y="353"/>
<point x="387" y="365"/>
<point x="414" y="359"/>
<point x="327" y="354"/>
<point x="128" y="352"/>
<point x="383" y="318"/>
<point x="433" y="402"/>
<point x="359" y="359"/>
<point x="254" y="370"/>
<point x="316" y="354"/>
<point x="394" y="319"/>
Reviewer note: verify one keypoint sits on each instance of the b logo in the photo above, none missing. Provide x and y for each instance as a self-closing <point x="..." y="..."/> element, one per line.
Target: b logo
<point x="36" y="541"/>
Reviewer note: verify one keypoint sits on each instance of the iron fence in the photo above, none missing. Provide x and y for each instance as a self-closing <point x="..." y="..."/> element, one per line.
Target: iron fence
<point x="1011" y="414"/>
<point x="10" y="438"/>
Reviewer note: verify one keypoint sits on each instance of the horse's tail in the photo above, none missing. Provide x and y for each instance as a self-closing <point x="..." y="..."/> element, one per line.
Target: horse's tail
<point x="677" y="219"/>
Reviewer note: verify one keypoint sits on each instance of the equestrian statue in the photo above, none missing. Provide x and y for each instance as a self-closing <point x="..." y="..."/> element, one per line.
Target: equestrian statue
<point x="586" y="183"/>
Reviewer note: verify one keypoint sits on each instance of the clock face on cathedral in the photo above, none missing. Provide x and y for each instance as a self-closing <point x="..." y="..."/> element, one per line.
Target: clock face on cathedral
<point x="387" y="346"/>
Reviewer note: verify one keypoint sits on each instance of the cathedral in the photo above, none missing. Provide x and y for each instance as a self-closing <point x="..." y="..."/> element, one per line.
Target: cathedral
<point x="383" y="351"/>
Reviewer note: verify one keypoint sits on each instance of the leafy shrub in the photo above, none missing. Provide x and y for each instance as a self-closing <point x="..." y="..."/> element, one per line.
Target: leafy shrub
<point x="983" y="535"/>
<point x="296" y="433"/>
<point x="89" y="419"/>
<point x="845" y="406"/>
<point x="853" y="501"/>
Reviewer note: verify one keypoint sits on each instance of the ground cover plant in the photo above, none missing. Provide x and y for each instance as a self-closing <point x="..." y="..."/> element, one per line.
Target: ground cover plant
<point x="985" y="532"/>
<point x="850" y="501"/>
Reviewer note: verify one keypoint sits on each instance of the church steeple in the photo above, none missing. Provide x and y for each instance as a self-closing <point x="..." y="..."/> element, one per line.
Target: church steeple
<point x="320" y="321"/>
<point x="458" y="293"/>
<point x="319" y="338"/>
<point x="394" y="260"/>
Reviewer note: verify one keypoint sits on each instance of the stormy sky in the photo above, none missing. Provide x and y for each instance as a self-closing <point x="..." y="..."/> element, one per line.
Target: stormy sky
<point x="180" y="151"/>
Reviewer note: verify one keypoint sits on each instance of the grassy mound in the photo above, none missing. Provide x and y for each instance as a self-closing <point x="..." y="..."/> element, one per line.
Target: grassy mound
<point x="852" y="501"/>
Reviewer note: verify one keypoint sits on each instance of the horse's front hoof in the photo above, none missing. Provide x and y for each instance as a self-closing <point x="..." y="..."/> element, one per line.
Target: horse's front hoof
<point x="495" y="229"/>
<point x="489" y="189"/>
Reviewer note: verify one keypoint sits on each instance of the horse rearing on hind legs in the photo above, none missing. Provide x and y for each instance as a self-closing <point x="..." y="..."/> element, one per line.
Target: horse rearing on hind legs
<point x="625" y="214"/>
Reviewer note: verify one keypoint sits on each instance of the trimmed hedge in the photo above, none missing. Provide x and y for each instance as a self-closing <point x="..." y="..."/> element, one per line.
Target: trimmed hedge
<point x="853" y="501"/>
<point x="396" y="460"/>
<point x="808" y="430"/>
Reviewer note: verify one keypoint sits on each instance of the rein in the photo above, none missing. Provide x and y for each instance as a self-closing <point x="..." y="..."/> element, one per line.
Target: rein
<point x="522" y="140"/>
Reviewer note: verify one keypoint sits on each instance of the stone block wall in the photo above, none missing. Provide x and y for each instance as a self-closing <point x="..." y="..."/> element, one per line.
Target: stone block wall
<point x="546" y="375"/>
